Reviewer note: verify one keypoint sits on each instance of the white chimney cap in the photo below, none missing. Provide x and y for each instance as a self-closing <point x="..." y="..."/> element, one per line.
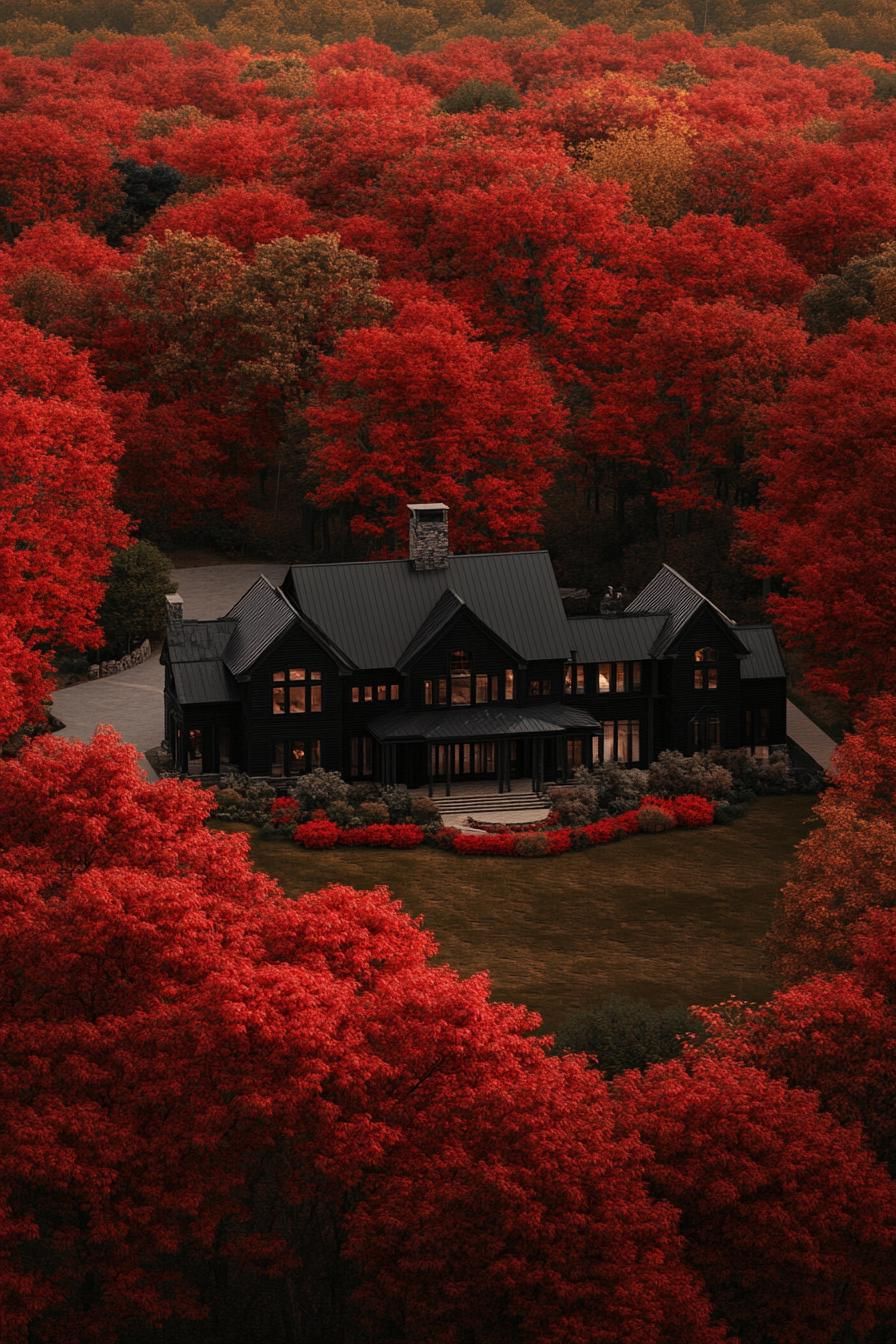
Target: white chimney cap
<point x="414" y="507"/>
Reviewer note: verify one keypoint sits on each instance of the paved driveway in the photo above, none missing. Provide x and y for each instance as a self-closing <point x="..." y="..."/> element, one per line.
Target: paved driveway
<point x="132" y="701"/>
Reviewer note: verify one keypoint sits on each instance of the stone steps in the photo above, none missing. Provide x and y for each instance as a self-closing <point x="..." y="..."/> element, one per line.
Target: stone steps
<point x="475" y="804"/>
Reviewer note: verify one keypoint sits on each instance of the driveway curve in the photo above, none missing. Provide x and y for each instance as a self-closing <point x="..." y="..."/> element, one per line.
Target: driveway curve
<point x="132" y="701"/>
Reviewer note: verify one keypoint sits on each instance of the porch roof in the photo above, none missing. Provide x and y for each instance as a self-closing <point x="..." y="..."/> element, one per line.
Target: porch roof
<point x="471" y="722"/>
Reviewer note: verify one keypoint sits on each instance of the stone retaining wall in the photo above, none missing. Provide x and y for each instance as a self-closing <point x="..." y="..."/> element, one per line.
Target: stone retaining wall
<point x="109" y="669"/>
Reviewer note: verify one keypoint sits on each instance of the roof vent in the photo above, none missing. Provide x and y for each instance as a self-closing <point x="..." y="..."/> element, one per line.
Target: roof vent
<point x="174" y="609"/>
<point x="428" y="537"/>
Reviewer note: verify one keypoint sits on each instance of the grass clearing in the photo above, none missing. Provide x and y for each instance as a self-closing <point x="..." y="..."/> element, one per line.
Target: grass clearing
<point x="670" y="918"/>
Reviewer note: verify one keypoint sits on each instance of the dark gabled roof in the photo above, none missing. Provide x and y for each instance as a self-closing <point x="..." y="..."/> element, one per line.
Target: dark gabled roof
<point x="765" y="658"/>
<point x="480" y="721"/>
<point x="670" y="593"/>
<point x="445" y="609"/>
<point x="262" y="615"/>
<point x="194" y="652"/>
<point x="599" y="639"/>
<point x="372" y="610"/>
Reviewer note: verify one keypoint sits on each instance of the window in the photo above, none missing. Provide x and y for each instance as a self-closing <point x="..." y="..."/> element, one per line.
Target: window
<point x="442" y="688"/>
<point x="356" y="695"/>
<point x="427" y="692"/>
<point x="574" y="753"/>
<point x="604" y="673"/>
<point x="481" y="689"/>
<point x="540" y="686"/>
<point x="620" y="741"/>
<point x="394" y="690"/>
<point x="635" y="676"/>
<point x="278" y="759"/>
<point x="302" y="696"/>
<point x="278" y="699"/>
<point x="460" y="667"/>
<point x="706" y="732"/>
<point x="508" y="684"/>
<point x="368" y="694"/>
<point x="706" y="674"/>
<point x="620" y="677"/>
<point x="574" y="679"/>
<point x="362" y="756"/>
<point x="298" y="758"/>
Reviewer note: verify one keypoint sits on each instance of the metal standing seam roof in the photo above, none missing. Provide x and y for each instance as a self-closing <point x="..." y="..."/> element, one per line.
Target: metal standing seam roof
<point x="598" y="639"/>
<point x="262" y="615"/>
<point x="671" y="593"/>
<point x="194" y="653"/>
<point x="764" y="658"/>
<point x="445" y="609"/>
<point x="480" y="721"/>
<point x="373" y="609"/>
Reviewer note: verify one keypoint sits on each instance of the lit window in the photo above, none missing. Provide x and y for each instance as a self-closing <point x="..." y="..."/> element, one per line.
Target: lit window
<point x="461" y="680"/>
<point x="278" y="700"/>
<point x="636" y="676"/>
<point x="443" y="691"/>
<point x="508" y="683"/>
<point x="706" y="678"/>
<point x="297" y="699"/>
<point x="368" y="694"/>
<point x="427" y="692"/>
<point x="620" y="676"/>
<point x="394" y="691"/>
<point x="382" y="692"/>
<point x="574" y="753"/>
<point x="297" y="674"/>
<point x="574" y="679"/>
<point x="316" y="699"/>
<point x="603" y="677"/>
<point x="356" y="695"/>
<point x="298" y="759"/>
<point x="481" y="689"/>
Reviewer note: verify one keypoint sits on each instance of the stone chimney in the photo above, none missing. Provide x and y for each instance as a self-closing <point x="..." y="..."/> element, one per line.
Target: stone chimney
<point x="428" y="542"/>
<point x="174" y="609"/>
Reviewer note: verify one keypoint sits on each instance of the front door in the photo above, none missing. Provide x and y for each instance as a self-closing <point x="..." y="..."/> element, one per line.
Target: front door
<point x="467" y="760"/>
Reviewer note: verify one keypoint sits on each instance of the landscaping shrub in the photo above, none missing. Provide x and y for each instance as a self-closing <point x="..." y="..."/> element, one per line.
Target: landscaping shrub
<point x="559" y="841"/>
<point x="672" y="774"/>
<point x="371" y="814"/>
<point x="690" y="810"/>
<point x="284" y="813"/>
<point x="653" y="820"/>
<point x="532" y="846"/>
<point x="320" y="833"/>
<point x="242" y="798"/>
<point x="396" y="798"/>
<point x="383" y="835"/>
<point x="601" y="832"/>
<point x="502" y="843"/>
<point x="318" y="789"/>
<point x="342" y="813"/>
<point x="627" y="823"/>
<point x="625" y="1033"/>
<point x="424" y="811"/>
<point x="726" y="813"/>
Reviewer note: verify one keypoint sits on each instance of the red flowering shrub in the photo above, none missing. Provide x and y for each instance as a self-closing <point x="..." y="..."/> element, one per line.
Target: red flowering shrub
<point x="664" y="804"/>
<point x="559" y="842"/>
<point x="600" y="832"/>
<point x="501" y="842"/>
<point x="284" y="812"/>
<point x="627" y="823"/>
<point x="690" y="810"/>
<point x="383" y="835"/>
<point x="317" y="834"/>
<point x="535" y="845"/>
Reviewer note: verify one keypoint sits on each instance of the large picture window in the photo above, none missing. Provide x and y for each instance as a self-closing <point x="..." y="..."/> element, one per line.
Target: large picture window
<point x="620" y="741"/>
<point x="298" y="692"/>
<point x="618" y="678"/>
<point x="461" y="669"/>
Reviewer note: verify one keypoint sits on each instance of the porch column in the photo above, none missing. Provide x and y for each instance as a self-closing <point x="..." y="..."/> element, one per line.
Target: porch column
<point x="562" y="743"/>
<point x="449" y="752"/>
<point x="537" y="764"/>
<point x="502" y="768"/>
<point x="429" y="751"/>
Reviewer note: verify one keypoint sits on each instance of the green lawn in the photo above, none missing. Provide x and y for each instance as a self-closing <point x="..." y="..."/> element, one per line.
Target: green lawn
<point x="674" y="917"/>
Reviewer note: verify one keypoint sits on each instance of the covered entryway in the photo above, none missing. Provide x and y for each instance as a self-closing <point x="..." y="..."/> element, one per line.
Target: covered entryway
<point x="481" y="742"/>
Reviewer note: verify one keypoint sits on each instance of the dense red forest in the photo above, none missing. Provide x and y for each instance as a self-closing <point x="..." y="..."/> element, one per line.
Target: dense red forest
<point x="632" y="298"/>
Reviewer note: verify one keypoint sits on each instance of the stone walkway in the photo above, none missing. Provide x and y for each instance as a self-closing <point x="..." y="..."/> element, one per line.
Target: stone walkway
<point x="813" y="740"/>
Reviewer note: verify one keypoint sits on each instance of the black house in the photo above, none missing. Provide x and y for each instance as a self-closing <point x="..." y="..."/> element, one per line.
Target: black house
<point x="449" y="667"/>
